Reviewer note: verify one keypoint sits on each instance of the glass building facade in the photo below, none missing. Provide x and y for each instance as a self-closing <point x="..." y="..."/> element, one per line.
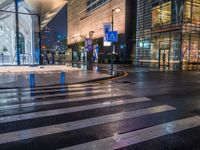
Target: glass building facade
<point x="19" y="33"/>
<point x="168" y="33"/>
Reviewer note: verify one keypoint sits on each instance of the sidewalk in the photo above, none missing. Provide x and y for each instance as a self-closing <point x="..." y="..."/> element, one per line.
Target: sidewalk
<point x="35" y="69"/>
<point x="19" y="76"/>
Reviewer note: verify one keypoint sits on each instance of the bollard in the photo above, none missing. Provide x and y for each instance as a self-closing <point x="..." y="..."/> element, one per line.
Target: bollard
<point x="32" y="80"/>
<point x="62" y="78"/>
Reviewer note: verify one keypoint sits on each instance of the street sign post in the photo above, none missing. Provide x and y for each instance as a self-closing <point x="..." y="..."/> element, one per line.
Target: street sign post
<point x="112" y="37"/>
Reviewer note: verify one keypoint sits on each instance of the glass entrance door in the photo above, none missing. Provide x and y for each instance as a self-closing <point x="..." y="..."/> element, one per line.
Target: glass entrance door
<point x="163" y="58"/>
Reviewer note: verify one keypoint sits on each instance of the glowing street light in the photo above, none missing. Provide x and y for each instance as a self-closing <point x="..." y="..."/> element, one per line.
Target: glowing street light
<point x="117" y="10"/>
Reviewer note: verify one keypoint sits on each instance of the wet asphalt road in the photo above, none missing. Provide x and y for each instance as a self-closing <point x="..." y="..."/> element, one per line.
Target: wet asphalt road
<point x="146" y="110"/>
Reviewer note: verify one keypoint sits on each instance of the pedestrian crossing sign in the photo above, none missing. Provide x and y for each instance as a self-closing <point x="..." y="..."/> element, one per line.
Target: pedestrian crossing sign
<point x="112" y="36"/>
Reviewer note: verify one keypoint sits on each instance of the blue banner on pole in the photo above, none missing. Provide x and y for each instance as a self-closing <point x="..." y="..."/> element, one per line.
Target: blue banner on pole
<point x="113" y="36"/>
<point x="107" y="27"/>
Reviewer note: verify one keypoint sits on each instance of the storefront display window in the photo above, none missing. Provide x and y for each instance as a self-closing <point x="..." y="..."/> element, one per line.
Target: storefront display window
<point x="175" y="48"/>
<point x="196" y="11"/>
<point x="24" y="50"/>
<point x="194" y="48"/>
<point x="161" y="15"/>
<point x="187" y="12"/>
<point x="156" y="20"/>
<point x="174" y="32"/>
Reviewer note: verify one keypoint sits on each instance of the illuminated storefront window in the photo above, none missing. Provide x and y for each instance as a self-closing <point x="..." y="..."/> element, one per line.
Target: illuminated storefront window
<point x="194" y="48"/>
<point x="154" y="48"/>
<point x="192" y="11"/>
<point x="185" y="47"/>
<point x="190" y="48"/>
<point x="156" y="20"/>
<point x="20" y="25"/>
<point x="166" y="13"/>
<point x="161" y="15"/>
<point x="187" y="12"/>
<point x="196" y="11"/>
<point x="175" y="47"/>
<point x="174" y="27"/>
<point x="26" y="49"/>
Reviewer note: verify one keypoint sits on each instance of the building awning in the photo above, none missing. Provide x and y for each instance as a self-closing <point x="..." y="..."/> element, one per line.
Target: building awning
<point x="47" y="9"/>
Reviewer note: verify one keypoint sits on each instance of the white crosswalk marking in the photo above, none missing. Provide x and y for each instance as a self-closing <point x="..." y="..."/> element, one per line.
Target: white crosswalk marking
<point x="130" y="138"/>
<point x="57" y="95"/>
<point x="59" y="128"/>
<point x="70" y="110"/>
<point x="73" y="93"/>
<point x="41" y="103"/>
<point x="39" y="118"/>
<point x="50" y="87"/>
<point x="64" y="89"/>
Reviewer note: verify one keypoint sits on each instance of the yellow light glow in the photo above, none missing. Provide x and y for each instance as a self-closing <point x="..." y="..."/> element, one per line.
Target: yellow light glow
<point x="117" y="10"/>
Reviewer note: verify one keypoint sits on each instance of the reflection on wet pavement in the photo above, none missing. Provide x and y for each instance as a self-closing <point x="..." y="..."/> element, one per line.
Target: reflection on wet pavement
<point x="53" y="77"/>
<point x="140" y="111"/>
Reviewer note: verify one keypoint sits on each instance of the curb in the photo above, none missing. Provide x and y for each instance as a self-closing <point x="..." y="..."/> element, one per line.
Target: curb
<point x="120" y="74"/>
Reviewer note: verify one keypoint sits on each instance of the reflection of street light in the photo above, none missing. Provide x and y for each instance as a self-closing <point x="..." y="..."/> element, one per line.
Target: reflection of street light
<point x="116" y="10"/>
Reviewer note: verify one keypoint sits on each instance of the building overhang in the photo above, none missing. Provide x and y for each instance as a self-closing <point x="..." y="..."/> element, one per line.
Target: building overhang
<point x="47" y="9"/>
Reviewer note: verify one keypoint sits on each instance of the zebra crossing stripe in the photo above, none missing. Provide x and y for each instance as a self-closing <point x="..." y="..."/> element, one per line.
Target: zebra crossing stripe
<point x="59" y="128"/>
<point x="71" y="94"/>
<point x="56" y="95"/>
<point x="123" y="140"/>
<point x="49" y="87"/>
<point x="68" y="89"/>
<point x="70" y="110"/>
<point x="64" y="86"/>
<point x="42" y="103"/>
<point x="64" y="89"/>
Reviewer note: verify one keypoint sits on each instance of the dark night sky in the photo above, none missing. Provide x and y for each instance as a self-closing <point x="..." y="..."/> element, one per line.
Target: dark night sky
<point x="59" y="22"/>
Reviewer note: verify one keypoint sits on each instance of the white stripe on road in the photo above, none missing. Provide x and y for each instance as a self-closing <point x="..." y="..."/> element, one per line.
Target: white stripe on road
<point x="63" y="86"/>
<point x="49" y="87"/>
<point x="57" y="95"/>
<point x="71" y="94"/>
<point x="41" y="103"/>
<point x="70" y="110"/>
<point x="65" y="89"/>
<point x="59" y="128"/>
<point x="131" y="138"/>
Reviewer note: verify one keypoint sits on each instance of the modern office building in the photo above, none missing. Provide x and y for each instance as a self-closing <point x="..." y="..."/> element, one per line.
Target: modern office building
<point x="87" y="19"/>
<point x="168" y="33"/>
<point x="20" y="25"/>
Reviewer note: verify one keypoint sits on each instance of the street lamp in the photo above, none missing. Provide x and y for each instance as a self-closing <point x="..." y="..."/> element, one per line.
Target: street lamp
<point x="116" y="10"/>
